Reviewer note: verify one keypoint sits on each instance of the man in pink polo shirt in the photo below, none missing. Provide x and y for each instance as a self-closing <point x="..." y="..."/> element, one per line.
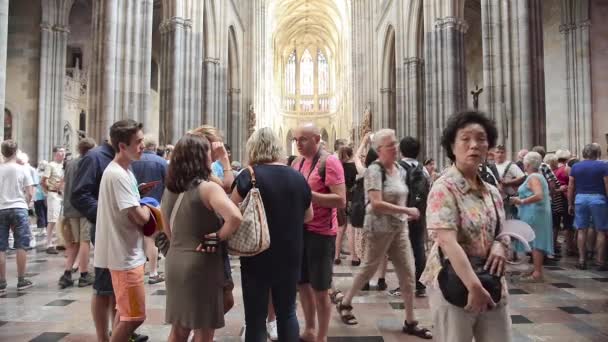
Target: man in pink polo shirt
<point x="325" y="177"/>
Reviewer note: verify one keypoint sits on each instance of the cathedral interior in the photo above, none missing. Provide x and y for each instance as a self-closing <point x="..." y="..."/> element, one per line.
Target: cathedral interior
<point x="70" y="68"/>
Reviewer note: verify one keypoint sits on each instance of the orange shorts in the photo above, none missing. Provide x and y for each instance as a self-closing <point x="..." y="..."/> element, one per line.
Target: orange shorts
<point x="130" y="294"/>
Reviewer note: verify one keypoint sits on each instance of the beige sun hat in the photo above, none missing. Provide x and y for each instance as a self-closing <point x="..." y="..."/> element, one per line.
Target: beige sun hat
<point x="563" y="154"/>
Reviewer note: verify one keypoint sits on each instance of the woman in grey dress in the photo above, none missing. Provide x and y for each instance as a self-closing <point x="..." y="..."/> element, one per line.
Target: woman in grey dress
<point x="194" y="273"/>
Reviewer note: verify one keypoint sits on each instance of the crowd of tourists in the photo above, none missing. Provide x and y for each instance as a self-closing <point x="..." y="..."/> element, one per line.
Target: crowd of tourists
<point x="128" y="198"/>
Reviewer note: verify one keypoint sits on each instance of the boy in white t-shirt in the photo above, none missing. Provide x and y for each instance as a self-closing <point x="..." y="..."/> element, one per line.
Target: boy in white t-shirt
<point x="511" y="177"/>
<point x="119" y="237"/>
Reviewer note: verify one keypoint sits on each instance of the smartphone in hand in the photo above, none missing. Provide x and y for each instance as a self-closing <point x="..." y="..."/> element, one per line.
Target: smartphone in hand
<point x="144" y="188"/>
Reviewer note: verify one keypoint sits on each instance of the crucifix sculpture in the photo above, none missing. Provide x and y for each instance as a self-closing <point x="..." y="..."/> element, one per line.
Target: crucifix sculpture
<point x="475" y="94"/>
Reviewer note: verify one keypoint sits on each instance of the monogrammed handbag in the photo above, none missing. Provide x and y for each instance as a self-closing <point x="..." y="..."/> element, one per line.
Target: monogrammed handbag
<point x="252" y="237"/>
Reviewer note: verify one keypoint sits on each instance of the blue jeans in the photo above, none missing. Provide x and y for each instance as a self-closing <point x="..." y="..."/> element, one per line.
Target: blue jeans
<point x="18" y="220"/>
<point x="256" y="289"/>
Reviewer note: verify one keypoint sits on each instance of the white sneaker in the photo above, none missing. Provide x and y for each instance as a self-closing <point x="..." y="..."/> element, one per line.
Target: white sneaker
<point x="271" y="328"/>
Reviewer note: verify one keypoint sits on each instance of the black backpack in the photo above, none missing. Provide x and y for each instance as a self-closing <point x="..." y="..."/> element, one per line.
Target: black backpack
<point x="358" y="203"/>
<point x="418" y="185"/>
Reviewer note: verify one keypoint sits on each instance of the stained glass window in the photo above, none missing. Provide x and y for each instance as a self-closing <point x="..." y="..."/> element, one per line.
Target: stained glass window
<point x="307" y="74"/>
<point x="323" y="73"/>
<point x="290" y="74"/>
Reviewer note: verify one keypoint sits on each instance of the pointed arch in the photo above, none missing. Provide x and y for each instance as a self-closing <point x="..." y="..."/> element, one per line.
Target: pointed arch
<point x="234" y="119"/>
<point x="389" y="80"/>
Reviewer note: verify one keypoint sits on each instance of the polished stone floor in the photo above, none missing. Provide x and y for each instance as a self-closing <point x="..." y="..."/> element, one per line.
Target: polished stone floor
<point x="570" y="306"/>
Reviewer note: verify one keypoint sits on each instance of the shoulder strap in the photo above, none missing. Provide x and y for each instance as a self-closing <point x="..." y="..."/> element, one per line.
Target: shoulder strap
<point x="507" y="169"/>
<point x="322" y="165"/>
<point x="252" y="173"/>
<point x="176" y="206"/>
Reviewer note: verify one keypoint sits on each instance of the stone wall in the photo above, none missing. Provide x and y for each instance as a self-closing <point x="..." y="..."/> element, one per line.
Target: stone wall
<point x="599" y="71"/>
<point x="22" y="72"/>
<point x="555" y="77"/>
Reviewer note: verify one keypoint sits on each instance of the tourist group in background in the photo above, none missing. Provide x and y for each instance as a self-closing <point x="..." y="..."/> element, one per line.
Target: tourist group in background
<point x="127" y="198"/>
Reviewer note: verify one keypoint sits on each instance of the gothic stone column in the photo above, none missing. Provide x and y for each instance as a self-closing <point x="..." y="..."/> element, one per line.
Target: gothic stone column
<point x="445" y="80"/>
<point x="513" y="70"/>
<point x="3" y="42"/>
<point x="575" y="40"/>
<point x="211" y="91"/>
<point x="120" y="70"/>
<point x="412" y="120"/>
<point x="175" y="33"/>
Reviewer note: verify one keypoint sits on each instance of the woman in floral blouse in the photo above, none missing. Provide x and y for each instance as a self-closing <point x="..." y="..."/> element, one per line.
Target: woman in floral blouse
<point x="461" y="219"/>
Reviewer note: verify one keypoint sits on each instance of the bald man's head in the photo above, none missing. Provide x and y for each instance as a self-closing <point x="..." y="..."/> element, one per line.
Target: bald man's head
<point x="307" y="137"/>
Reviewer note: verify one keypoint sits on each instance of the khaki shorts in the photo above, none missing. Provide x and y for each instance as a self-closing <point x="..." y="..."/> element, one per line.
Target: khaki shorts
<point x="76" y="230"/>
<point x="54" y="201"/>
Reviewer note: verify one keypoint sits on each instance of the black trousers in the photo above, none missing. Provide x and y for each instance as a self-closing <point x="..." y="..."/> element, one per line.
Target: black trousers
<point x="417" y="232"/>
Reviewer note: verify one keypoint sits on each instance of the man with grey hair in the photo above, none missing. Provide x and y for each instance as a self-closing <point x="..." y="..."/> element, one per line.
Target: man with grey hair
<point x="150" y="172"/>
<point x="16" y="192"/>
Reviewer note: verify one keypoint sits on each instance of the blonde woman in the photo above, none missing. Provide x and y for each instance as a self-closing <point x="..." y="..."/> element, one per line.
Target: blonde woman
<point x="275" y="271"/>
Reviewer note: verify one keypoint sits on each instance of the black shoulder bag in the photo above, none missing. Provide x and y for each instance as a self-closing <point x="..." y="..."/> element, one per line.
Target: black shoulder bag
<point x="454" y="290"/>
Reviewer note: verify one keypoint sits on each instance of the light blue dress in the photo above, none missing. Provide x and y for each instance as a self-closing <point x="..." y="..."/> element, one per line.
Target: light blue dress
<point x="538" y="215"/>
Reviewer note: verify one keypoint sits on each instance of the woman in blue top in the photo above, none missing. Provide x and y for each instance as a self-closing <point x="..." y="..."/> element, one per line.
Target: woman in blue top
<point x="589" y="182"/>
<point x="534" y="201"/>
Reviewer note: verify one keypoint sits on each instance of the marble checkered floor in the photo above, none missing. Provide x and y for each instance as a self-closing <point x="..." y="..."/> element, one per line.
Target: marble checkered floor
<point x="571" y="306"/>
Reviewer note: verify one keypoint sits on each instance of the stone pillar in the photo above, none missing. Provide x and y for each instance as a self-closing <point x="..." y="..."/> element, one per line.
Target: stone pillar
<point x="412" y="121"/>
<point x="575" y="40"/>
<point x="174" y="113"/>
<point x="54" y="39"/>
<point x="234" y="123"/>
<point x="445" y="80"/>
<point x="211" y="91"/>
<point x="3" y="42"/>
<point x="121" y="66"/>
<point x="513" y="70"/>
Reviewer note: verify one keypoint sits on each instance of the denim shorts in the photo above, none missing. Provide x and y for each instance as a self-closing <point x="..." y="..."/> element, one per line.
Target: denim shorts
<point x="591" y="211"/>
<point x="17" y="220"/>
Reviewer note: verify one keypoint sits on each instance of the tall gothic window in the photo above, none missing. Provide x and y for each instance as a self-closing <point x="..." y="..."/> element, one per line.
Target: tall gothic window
<point x="323" y="74"/>
<point x="290" y="74"/>
<point x="307" y="70"/>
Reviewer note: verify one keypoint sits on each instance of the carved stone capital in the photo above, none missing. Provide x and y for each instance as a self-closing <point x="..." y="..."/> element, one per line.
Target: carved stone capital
<point x="234" y="91"/>
<point x="412" y="62"/>
<point x="211" y="60"/>
<point x="454" y="23"/>
<point x="566" y="28"/>
<point x="169" y="25"/>
<point x="44" y="26"/>
<point x="585" y="24"/>
<point x="61" y="28"/>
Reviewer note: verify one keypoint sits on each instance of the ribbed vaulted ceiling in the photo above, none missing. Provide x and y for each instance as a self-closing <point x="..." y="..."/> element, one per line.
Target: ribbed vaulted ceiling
<point x="308" y="21"/>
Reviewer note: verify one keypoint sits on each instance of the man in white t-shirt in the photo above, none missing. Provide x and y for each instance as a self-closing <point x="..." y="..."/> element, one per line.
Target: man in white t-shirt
<point x="510" y="176"/>
<point x="119" y="238"/>
<point x="16" y="192"/>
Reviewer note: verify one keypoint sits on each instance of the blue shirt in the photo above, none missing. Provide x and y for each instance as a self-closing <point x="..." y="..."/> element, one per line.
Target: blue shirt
<point x="589" y="176"/>
<point x="151" y="168"/>
<point x="217" y="169"/>
<point x="88" y="179"/>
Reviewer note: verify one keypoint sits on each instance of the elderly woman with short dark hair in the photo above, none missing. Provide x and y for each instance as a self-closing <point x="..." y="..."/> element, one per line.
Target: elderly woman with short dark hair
<point x="463" y="216"/>
<point x="534" y="201"/>
<point x="587" y="201"/>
